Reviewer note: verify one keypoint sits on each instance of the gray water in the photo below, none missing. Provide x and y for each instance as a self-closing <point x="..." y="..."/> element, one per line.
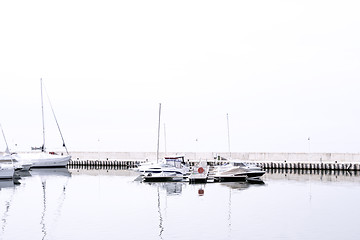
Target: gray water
<point x="109" y="204"/>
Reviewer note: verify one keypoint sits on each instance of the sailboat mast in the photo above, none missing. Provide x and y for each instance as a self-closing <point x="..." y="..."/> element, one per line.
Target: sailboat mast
<point x="42" y="112"/>
<point x="7" y="146"/>
<point x="165" y="137"/>
<point x="228" y="129"/>
<point x="158" y="140"/>
<point x="57" y="123"/>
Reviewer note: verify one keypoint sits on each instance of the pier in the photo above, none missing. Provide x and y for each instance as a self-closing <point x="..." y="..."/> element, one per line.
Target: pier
<point x="268" y="161"/>
<point x="102" y="164"/>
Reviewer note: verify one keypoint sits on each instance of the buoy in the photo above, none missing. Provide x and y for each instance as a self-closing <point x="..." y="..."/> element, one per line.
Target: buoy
<point x="200" y="170"/>
<point x="201" y="191"/>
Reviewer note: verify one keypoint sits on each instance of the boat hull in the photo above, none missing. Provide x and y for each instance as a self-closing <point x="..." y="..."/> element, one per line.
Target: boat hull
<point x="254" y="180"/>
<point x="162" y="177"/>
<point x="241" y="178"/>
<point x="254" y="174"/>
<point x="158" y="179"/>
<point x="6" y="173"/>
<point x="44" y="160"/>
<point x="198" y="180"/>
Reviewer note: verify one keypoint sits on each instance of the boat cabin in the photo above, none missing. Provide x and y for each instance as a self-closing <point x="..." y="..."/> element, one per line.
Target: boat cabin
<point x="175" y="161"/>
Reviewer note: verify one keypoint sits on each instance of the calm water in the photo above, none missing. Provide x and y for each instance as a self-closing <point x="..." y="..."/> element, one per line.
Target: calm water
<point x="99" y="204"/>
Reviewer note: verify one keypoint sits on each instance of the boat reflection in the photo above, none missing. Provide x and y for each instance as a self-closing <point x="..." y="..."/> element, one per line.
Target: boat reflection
<point x="243" y="185"/>
<point x="236" y="185"/>
<point x="23" y="174"/>
<point x="172" y="188"/>
<point x="175" y="188"/>
<point x="43" y="172"/>
<point x="201" y="191"/>
<point x="10" y="187"/>
<point x="161" y="227"/>
<point x="7" y="184"/>
<point x="47" y="177"/>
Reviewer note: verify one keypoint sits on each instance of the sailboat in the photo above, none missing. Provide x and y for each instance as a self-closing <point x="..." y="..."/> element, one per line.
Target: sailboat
<point x="8" y="158"/>
<point x="43" y="158"/>
<point x="7" y="168"/>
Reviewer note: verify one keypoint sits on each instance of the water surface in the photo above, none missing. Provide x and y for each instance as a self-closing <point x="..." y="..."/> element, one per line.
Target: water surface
<point x="109" y="204"/>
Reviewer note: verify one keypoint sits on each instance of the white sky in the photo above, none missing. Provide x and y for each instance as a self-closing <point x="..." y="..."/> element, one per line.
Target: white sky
<point x="283" y="70"/>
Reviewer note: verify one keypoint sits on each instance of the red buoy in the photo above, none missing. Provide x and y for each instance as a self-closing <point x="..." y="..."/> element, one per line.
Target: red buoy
<point x="201" y="192"/>
<point x="200" y="170"/>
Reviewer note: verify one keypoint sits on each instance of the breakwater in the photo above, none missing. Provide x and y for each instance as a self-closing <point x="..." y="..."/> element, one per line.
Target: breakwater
<point x="211" y="156"/>
<point x="301" y="161"/>
<point x="103" y="164"/>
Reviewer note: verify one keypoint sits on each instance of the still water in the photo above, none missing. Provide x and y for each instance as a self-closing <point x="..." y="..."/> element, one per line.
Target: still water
<point x="109" y="204"/>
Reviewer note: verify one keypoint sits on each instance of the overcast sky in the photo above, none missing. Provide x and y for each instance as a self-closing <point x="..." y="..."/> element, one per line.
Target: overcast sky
<point x="284" y="71"/>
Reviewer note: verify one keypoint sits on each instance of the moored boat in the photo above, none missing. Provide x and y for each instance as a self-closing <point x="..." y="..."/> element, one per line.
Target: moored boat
<point x="7" y="168"/>
<point x="41" y="158"/>
<point x="172" y="168"/>
<point x="237" y="171"/>
<point x="199" y="173"/>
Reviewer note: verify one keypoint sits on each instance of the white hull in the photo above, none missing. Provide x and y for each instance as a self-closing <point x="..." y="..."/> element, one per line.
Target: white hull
<point x="162" y="177"/>
<point x="198" y="178"/>
<point x="43" y="160"/>
<point x="236" y="169"/>
<point x="6" y="172"/>
<point x="26" y="167"/>
<point x="171" y="169"/>
<point x="199" y="174"/>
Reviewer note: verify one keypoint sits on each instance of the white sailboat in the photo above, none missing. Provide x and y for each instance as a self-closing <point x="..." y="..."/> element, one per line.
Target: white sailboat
<point x="7" y="168"/>
<point x="43" y="158"/>
<point x="8" y="158"/>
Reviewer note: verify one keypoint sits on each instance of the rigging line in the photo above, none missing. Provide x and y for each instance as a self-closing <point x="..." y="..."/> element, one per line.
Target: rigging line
<point x="7" y="146"/>
<point x="42" y="112"/>
<point x="7" y="150"/>
<point x="52" y="109"/>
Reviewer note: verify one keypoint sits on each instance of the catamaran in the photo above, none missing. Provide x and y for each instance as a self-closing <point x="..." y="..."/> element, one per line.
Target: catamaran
<point x="43" y="158"/>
